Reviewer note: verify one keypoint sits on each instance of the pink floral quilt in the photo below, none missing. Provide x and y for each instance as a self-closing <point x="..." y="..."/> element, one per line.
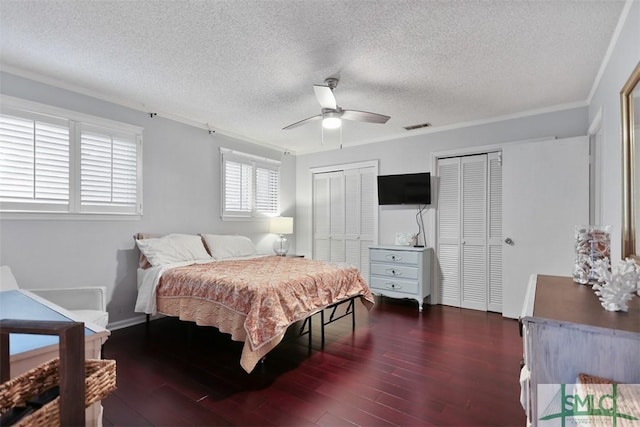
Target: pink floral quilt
<point x="256" y="300"/>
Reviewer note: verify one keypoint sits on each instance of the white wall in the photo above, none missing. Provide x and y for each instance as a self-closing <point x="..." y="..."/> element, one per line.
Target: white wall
<point x="181" y="184"/>
<point x="413" y="154"/>
<point x="624" y="58"/>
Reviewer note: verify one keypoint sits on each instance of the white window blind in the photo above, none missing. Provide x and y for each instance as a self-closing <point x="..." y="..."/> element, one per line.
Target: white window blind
<point x="55" y="160"/>
<point x="34" y="163"/>
<point x="108" y="171"/>
<point x="237" y="191"/>
<point x="267" y="189"/>
<point x="250" y="185"/>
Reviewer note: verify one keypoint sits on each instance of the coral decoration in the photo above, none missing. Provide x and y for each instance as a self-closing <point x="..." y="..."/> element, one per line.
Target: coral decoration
<point x="616" y="289"/>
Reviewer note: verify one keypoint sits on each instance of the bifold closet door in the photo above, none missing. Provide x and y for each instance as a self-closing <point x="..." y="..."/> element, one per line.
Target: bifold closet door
<point x="494" y="232"/>
<point x="329" y="216"/>
<point x="322" y="216"/>
<point x="448" y="231"/>
<point x="473" y="261"/>
<point x="337" y="219"/>
<point x="469" y="231"/>
<point x="345" y="216"/>
<point x="360" y="208"/>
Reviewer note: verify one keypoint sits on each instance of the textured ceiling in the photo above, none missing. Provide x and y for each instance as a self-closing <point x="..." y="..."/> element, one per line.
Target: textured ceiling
<point x="246" y="68"/>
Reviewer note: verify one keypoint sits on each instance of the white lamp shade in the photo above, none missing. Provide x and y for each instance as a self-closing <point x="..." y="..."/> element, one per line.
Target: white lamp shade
<point x="281" y="225"/>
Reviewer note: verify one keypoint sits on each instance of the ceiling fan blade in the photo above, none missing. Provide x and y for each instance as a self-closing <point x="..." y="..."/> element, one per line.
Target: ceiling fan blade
<point x="302" y="122"/>
<point x="325" y="96"/>
<point x="364" y="116"/>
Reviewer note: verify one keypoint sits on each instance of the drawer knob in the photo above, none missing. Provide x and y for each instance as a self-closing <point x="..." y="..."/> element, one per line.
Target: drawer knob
<point x="393" y="286"/>
<point x="394" y="272"/>
<point x="394" y="257"/>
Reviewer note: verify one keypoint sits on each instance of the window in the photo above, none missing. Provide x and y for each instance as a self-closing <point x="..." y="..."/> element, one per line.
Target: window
<point x="53" y="160"/>
<point x="250" y="185"/>
<point x="108" y="171"/>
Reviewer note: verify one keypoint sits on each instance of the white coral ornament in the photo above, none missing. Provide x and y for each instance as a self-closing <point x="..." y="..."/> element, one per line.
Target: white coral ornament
<point x="617" y="288"/>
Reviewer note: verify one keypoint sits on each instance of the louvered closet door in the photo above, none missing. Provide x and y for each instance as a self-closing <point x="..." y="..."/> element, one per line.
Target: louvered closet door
<point x="352" y="216"/>
<point x="359" y="216"/>
<point x="474" y="232"/>
<point x="448" y="237"/>
<point x="337" y="222"/>
<point x="494" y="297"/>
<point x="469" y="231"/>
<point x="368" y="211"/>
<point x="321" y="216"/>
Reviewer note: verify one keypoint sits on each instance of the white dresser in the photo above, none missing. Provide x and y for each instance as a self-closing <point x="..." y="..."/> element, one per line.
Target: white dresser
<point x="400" y="272"/>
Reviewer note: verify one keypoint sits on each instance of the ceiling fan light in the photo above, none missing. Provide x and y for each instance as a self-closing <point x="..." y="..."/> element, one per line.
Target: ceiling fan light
<point x="331" y="120"/>
<point x="331" y="123"/>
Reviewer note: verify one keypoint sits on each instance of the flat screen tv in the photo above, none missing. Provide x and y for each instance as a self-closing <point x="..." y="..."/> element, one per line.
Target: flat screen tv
<point x="405" y="189"/>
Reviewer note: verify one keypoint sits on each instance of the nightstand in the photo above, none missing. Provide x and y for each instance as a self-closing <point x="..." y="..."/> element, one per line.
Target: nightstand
<point x="400" y="272"/>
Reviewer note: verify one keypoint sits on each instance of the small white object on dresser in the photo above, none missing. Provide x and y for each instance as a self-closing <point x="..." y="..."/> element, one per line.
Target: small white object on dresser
<point x="400" y="272"/>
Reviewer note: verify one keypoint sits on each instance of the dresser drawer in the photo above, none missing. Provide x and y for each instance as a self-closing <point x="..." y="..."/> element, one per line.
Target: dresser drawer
<point x="392" y="270"/>
<point x="400" y="257"/>
<point x="396" y="285"/>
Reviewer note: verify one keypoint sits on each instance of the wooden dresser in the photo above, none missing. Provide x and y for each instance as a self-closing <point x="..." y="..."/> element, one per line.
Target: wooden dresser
<point x="567" y="332"/>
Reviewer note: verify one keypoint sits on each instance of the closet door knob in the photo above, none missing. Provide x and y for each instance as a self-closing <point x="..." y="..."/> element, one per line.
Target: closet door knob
<point x="508" y="241"/>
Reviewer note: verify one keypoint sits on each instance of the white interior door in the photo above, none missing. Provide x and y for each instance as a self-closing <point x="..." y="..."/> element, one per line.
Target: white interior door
<point x="545" y="195"/>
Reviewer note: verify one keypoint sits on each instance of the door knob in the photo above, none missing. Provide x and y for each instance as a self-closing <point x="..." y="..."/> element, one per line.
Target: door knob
<point x="508" y="241"/>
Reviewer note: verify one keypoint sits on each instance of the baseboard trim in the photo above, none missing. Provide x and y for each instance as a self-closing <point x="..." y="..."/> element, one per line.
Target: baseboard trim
<point x="132" y="321"/>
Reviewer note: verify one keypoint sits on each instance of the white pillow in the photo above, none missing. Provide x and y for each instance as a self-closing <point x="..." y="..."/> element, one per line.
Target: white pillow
<point x="173" y="248"/>
<point x="226" y="246"/>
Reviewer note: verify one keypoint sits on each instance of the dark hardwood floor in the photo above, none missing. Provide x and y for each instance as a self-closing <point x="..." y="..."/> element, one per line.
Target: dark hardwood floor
<point x="444" y="366"/>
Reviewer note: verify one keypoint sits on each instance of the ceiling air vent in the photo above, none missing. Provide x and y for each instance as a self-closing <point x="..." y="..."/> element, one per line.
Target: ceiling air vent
<point x="421" y="125"/>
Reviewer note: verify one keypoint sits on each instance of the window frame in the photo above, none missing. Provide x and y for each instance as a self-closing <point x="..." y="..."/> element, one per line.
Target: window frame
<point x="256" y="162"/>
<point x="28" y="109"/>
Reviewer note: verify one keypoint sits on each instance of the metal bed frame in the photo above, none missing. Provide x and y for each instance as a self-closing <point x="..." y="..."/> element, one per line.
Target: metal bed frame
<point x="306" y="328"/>
<point x="307" y="325"/>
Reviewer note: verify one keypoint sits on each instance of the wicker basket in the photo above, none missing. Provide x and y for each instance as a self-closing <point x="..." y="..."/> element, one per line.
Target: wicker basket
<point x="100" y="380"/>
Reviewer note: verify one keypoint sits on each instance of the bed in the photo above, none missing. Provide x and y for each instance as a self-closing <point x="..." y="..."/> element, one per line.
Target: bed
<point x="225" y="284"/>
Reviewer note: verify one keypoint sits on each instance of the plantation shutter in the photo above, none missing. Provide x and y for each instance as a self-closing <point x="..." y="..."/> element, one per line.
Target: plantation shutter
<point x="237" y="191"/>
<point x="250" y="185"/>
<point x="267" y="189"/>
<point x="34" y="163"/>
<point x="108" y="171"/>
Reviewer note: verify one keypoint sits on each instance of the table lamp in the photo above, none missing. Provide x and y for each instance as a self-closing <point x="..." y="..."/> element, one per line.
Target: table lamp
<point x="281" y="225"/>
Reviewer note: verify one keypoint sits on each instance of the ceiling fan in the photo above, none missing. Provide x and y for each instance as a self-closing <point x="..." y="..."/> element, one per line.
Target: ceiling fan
<point x="331" y="114"/>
